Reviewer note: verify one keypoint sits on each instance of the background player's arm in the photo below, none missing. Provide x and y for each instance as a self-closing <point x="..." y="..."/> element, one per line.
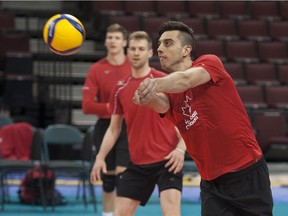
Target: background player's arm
<point x="90" y="106"/>
<point x="109" y="140"/>
<point x="90" y="103"/>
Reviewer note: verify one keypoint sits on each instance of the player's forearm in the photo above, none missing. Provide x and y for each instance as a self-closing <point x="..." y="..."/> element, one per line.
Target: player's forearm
<point x="159" y="102"/>
<point x="181" y="146"/>
<point x="181" y="81"/>
<point x="108" y="142"/>
<point x="174" y="83"/>
<point x="99" y="109"/>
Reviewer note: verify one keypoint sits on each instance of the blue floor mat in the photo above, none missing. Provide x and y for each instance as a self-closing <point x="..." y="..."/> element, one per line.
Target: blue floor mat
<point x="190" y="204"/>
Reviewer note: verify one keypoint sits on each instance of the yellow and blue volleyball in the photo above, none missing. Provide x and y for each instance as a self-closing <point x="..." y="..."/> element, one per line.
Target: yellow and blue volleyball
<point x="64" y="34"/>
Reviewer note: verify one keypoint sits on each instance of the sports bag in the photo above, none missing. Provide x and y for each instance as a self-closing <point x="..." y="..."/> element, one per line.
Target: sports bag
<point x="30" y="190"/>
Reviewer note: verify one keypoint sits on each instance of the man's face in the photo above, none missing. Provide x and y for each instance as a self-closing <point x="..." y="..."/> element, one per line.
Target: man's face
<point x="139" y="52"/>
<point x="115" y="42"/>
<point x="170" y="51"/>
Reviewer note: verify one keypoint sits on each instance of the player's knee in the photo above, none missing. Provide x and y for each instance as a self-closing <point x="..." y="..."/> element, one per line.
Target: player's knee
<point x="109" y="183"/>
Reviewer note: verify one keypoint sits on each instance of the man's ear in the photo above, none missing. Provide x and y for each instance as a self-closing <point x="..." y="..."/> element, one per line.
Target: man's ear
<point x="187" y="49"/>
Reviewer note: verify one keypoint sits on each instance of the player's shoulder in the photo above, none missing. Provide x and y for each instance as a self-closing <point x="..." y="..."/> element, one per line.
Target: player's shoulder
<point x="157" y="73"/>
<point x="98" y="64"/>
<point x="208" y="58"/>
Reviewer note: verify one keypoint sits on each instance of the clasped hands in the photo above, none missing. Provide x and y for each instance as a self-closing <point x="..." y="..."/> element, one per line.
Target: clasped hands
<point x="145" y="91"/>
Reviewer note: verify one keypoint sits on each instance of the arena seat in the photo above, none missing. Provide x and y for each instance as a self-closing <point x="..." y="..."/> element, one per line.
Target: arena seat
<point x="261" y="74"/>
<point x="252" y="96"/>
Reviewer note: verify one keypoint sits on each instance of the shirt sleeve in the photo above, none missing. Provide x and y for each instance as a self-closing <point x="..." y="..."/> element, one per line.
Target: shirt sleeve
<point x="115" y="105"/>
<point x="213" y="65"/>
<point x="89" y="100"/>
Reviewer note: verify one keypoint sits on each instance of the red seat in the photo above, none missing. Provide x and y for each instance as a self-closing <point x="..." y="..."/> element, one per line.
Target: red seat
<point x="271" y="133"/>
<point x="234" y="9"/>
<point x="284" y="10"/>
<point x="101" y="9"/>
<point x="198" y="26"/>
<point x="13" y="43"/>
<point x="241" y="51"/>
<point x="222" y="28"/>
<point x="273" y="52"/>
<point x="252" y="96"/>
<point x="279" y="30"/>
<point x="151" y="24"/>
<point x="174" y="9"/>
<point x="203" y="9"/>
<point x="131" y="23"/>
<point x="277" y="96"/>
<point x="142" y="8"/>
<point x="108" y="7"/>
<point x="209" y="47"/>
<point x="261" y="73"/>
<point x="7" y="21"/>
<point x="253" y="30"/>
<point x="283" y="73"/>
<point x="265" y="10"/>
<point x="236" y="72"/>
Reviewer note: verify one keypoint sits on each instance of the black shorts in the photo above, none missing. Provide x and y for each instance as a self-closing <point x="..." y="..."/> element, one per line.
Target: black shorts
<point x="119" y="154"/>
<point x="138" y="182"/>
<point x="243" y="193"/>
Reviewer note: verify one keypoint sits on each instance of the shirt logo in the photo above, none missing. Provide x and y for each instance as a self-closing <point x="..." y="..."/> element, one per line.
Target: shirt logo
<point x="188" y="112"/>
<point x="120" y="83"/>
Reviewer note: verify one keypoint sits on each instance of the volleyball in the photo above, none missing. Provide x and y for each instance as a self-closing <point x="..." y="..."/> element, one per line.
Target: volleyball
<point x="64" y="34"/>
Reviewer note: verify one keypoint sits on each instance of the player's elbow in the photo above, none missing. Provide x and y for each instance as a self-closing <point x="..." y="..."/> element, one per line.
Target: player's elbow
<point x="85" y="108"/>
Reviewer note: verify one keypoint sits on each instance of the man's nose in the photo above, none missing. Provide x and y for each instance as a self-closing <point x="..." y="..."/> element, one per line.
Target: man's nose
<point x="136" y="52"/>
<point x="159" y="48"/>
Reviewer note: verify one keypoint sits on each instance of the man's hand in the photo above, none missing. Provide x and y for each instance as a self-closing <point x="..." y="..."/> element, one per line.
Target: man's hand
<point x="136" y="98"/>
<point x="175" y="160"/>
<point x="146" y="90"/>
<point x="99" y="165"/>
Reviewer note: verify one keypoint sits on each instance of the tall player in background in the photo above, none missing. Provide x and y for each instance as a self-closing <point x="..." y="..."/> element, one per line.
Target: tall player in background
<point x="156" y="149"/>
<point x="101" y="79"/>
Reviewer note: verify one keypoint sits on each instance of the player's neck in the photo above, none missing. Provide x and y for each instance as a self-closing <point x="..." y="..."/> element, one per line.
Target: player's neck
<point x="116" y="59"/>
<point x="184" y="65"/>
<point x="141" y="72"/>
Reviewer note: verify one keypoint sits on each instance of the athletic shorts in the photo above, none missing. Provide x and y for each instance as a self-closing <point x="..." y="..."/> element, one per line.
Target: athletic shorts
<point x="137" y="182"/>
<point x="119" y="154"/>
<point x="243" y="193"/>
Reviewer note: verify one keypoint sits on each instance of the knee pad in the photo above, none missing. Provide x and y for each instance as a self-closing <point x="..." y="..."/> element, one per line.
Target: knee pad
<point x="108" y="182"/>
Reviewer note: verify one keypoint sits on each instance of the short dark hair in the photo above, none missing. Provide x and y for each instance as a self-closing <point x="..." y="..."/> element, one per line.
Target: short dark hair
<point x="187" y="36"/>
<point x="118" y="28"/>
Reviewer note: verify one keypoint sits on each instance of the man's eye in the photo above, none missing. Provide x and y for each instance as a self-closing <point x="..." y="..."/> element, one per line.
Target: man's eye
<point x="167" y="43"/>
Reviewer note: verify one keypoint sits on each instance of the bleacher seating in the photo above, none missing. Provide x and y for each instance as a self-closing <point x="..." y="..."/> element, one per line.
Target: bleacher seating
<point x="249" y="36"/>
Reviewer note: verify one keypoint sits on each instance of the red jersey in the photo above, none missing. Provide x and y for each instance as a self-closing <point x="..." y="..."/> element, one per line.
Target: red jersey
<point x="102" y="77"/>
<point x="213" y="122"/>
<point x="150" y="138"/>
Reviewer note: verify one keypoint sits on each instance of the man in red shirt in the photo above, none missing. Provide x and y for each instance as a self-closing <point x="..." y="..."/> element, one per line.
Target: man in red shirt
<point x="101" y="79"/>
<point x="204" y="104"/>
<point x="156" y="149"/>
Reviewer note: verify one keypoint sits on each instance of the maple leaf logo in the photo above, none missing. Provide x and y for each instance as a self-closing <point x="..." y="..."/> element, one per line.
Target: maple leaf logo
<point x="187" y="111"/>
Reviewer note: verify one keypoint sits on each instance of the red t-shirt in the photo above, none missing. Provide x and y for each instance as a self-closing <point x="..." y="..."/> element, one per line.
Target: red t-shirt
<point x="214" y="123"/>
<point x="150" y="138"/>
<point x="101" y="79"/>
